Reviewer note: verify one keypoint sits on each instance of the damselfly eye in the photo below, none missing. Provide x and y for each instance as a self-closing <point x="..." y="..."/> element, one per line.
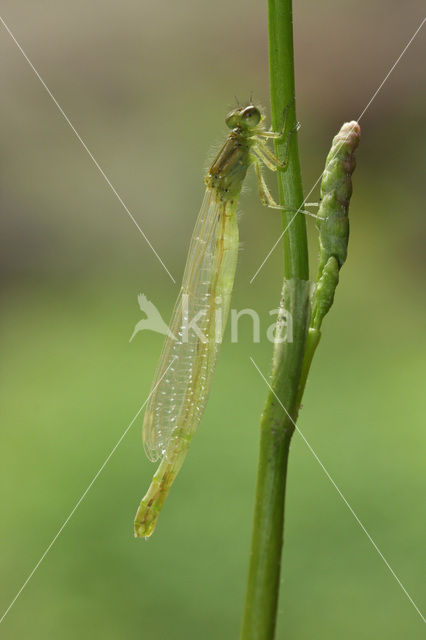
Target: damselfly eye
<point x="251" y="116"/>
<point x="244" y="117"/>
<point x="232" y="119"/>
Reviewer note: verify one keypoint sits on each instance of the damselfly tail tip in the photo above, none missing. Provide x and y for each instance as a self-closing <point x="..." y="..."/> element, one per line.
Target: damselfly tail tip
<point x="140" y="531"/>
<point x="145" y="520"/>
<point x="141" y="536"/>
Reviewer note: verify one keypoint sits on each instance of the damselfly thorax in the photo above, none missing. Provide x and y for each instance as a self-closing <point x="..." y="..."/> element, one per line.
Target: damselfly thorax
<point x="227" y="173"/>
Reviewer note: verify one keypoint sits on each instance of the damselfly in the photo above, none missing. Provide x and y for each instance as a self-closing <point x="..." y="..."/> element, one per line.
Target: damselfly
<point x="184" y="373"/>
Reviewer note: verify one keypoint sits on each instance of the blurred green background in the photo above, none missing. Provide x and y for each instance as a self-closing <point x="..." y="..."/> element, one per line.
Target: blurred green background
<point x="147" y="86"/>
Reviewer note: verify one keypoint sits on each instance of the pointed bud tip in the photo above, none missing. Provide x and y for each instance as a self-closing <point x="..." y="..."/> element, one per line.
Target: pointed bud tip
<point x="351" y="132"/>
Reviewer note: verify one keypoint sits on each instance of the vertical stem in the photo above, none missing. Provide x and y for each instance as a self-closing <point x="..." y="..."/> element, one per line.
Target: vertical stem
<point x="259" y="618"/>
<point x="281" y="77"/>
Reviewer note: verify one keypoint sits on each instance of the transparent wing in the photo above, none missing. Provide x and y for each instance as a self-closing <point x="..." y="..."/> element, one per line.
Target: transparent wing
<point x="182" y="380"/>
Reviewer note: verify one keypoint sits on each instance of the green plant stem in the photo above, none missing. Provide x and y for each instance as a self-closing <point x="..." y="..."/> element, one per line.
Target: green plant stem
<point x="259" y="618"/>
<point x="281" y="76"/>
<point x="312" y="341"/>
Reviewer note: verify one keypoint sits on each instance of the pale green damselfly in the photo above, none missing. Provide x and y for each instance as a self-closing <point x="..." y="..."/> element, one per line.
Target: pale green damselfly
<point x="184" y="374"/>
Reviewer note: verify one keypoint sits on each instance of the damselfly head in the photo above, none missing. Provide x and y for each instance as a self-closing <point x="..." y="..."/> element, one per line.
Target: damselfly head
<point x="244" y="117"/>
